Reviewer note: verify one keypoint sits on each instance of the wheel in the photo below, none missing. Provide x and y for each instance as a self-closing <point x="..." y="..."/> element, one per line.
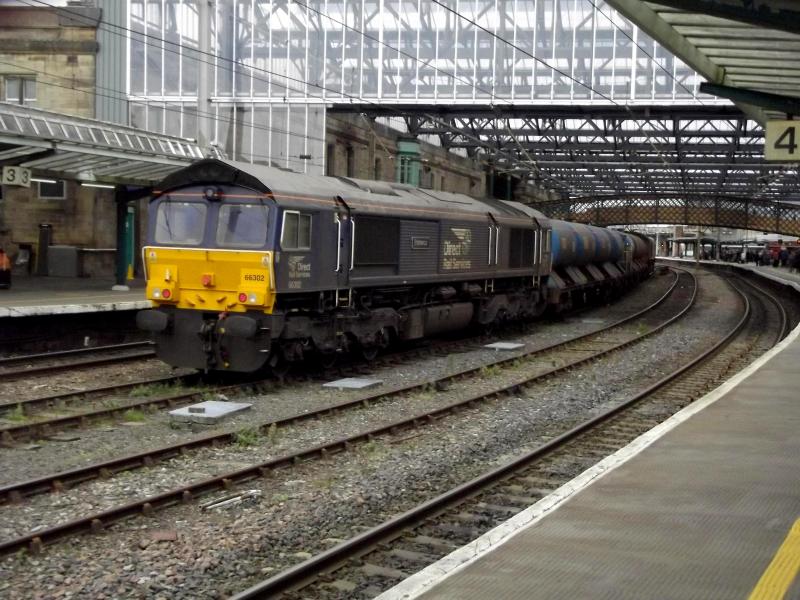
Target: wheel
<point x="326" y="360"/>
<point x="278" y="364"/>
<point x="368" y="353"/>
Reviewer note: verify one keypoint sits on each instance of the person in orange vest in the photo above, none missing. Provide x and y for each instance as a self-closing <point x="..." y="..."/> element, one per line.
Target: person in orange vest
<point x="5" y="270"/>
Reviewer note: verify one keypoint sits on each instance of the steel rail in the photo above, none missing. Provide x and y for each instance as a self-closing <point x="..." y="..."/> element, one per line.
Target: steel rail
<point x="17" y="491"/>
<point x="16" y="374"/>
<point x="784" y="317"/>
<point x="64" y="397"/>
<point x="24" y="431"/>
<point x="10" y="360"/>
<point x="328" y="560"/>
<point x="35" y="541"/>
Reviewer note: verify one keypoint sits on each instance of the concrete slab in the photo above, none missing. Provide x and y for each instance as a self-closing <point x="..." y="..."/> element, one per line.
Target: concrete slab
<point x="209" y="411"/>
<point x="504" y="346"/>
<point x="353" y="383"/>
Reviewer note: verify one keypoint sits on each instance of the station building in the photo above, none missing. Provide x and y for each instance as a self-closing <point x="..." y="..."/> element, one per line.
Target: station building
<point x="48" y="60"/>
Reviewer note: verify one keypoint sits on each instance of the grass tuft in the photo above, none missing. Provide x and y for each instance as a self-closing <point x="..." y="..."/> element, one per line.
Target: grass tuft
<point x="17" y="415"/>
<point x="133" y="416"/>
<point x="247" y="437"/>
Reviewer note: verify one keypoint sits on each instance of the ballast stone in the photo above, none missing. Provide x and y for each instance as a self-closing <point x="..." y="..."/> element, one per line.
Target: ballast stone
<point x="505" y="346"/>
<point x="353" y="383"/>
<point x="208" y="411"/>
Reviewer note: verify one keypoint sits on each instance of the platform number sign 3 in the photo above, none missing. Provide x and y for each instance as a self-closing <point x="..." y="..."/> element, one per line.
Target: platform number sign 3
<point x="16" y="176"/>
<point x="782" y="141"/>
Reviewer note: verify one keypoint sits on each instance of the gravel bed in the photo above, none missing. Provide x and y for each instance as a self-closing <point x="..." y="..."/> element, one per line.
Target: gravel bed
<point x="76" y="381"/>
<point x="120" y="437"/>
<point x="313" y="506"/>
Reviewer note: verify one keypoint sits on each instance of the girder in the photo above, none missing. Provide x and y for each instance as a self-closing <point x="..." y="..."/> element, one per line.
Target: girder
<point x="734" y="212"/>
<point x="695" y="151"/>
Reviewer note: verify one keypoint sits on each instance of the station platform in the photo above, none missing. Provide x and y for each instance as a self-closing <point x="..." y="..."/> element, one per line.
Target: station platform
<point x="779" y="274"/>
<point x="706" y="505"/>
<point x="41" y="296"/>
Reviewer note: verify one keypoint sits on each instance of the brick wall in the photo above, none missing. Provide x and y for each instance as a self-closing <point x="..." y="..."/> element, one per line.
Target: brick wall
<point x="441" y="170"/>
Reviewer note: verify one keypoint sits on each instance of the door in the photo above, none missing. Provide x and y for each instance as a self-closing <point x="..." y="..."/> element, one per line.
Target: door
<point x="345" y="236"/>
<point x="129" y="241"/>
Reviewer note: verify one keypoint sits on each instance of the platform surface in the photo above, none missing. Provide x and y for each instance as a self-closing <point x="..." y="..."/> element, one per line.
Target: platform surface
<point x="698" y="512"/>
<point x="769" y="272"/>
<point x="30" y="296"/>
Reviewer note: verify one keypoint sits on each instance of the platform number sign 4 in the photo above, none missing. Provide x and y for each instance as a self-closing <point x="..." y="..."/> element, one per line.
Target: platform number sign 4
<point x="16" y="176"/>
<point x="782" y="141"/>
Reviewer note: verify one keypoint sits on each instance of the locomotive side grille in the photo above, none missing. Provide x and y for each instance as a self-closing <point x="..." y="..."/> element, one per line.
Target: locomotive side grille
<point x="419" y="247"/>
<point x="377" y="242"/>
<point x="521" y="248"/>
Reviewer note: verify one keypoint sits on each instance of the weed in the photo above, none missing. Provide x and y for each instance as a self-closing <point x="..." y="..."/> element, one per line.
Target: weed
<point x="278" y="498"/>
<point x="324" y="483"/>
<point x="272" y="433"/>
<point x="246" y="437"/>
<point x="370" y="447"/>
<point x="133" y="416"/>
<point x="17" y="415"/>
<point x="490" y="370"/>
<point x="641" y="329"/>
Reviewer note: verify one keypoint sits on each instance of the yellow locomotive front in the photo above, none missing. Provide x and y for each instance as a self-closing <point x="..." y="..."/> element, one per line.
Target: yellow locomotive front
<point x="210" y="277"/>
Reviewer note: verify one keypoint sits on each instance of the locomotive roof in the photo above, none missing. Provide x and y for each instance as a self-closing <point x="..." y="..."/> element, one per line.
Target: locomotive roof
<point x="290" y="188"/>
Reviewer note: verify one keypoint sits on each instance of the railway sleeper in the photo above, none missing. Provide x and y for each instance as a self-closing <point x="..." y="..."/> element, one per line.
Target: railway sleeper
<point x="413" y="556"/>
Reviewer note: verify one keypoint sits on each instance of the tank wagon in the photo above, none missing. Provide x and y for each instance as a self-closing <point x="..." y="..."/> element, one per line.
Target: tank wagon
<point x="250" y="267"/>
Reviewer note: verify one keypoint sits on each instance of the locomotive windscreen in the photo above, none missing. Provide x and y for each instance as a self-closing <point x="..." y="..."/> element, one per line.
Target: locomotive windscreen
<point x="180" y="222"/>
<point x="242" y="225"/>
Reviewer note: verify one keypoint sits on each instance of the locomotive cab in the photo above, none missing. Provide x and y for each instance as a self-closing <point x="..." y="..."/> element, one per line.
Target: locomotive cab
<point x="210" y="274"/>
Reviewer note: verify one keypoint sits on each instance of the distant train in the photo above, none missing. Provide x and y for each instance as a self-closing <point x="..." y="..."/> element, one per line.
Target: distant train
<point x="250" y="267"/>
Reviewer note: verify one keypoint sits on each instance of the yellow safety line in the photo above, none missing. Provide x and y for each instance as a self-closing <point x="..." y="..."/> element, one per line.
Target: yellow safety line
<point x="782" y="570"/>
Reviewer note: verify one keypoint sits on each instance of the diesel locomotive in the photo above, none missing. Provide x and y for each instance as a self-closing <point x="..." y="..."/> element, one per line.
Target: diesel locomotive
<point x="251" y="267"/>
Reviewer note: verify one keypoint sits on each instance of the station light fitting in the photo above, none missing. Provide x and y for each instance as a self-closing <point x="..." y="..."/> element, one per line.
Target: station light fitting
<point x="104" y="186"/>
<point x="42" y="180"/>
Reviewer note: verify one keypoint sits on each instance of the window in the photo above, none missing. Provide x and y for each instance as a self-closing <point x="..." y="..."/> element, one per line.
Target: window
<point x="520" y="252"/>
<point x="180" y="222"/>
<point x="20" y="90"/>
<point x="296" y="233"/>
<point x="52" y="191"/>
<point x="242" y="225"/>
<point x="351" y="161"/>
<point x="330" y="160"/>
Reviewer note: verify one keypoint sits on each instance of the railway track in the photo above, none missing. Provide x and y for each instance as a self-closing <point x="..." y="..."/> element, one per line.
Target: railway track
<point x="84" y="357"/>
<point x="378" y="558"/>
<point x="30" y="426"/>
<point x="59" y="481"/>
<point x="570" y="348"/>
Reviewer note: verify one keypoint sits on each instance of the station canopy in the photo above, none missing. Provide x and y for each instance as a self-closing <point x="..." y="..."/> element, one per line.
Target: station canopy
<point x="66" y="147"/>
<point x="748" y="50"/>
